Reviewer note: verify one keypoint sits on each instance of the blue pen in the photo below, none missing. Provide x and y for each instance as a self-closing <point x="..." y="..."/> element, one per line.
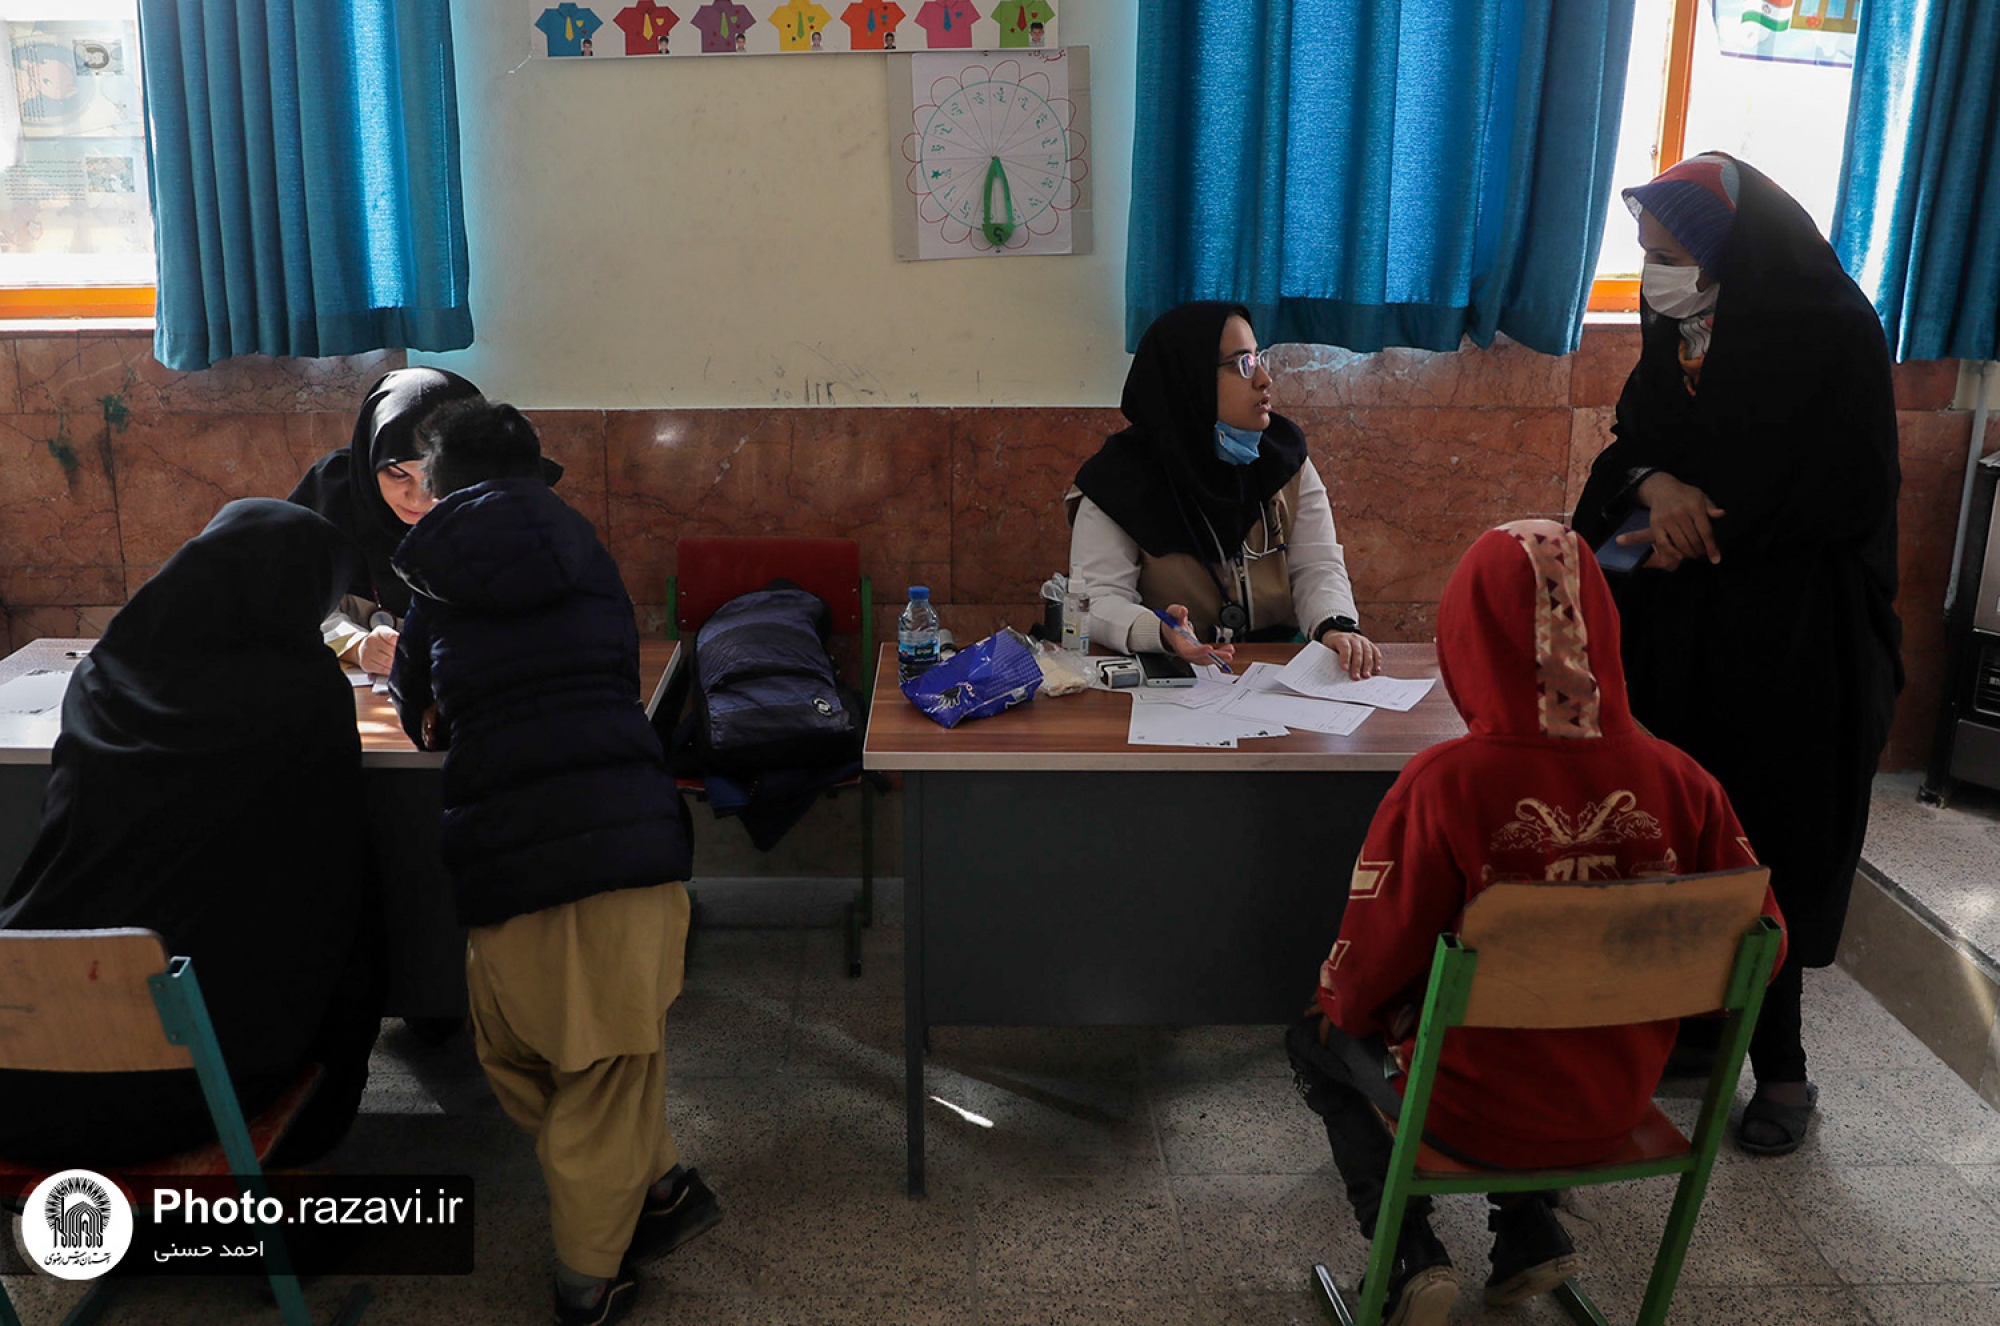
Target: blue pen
<point x="1179" y="629"/>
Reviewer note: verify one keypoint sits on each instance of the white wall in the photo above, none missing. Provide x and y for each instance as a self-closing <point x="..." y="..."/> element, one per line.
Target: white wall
<point x="716" y="232"/>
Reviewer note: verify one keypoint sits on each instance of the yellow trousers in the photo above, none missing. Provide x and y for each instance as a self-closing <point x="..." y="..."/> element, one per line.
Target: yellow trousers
<point x="569" y="1009"/>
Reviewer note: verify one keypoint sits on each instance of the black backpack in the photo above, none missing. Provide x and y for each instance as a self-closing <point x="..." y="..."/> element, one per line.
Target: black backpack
<point x="765" y="693"/>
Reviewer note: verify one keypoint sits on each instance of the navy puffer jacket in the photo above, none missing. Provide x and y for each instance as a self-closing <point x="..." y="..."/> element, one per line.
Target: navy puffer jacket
<point x="521" y="631"/>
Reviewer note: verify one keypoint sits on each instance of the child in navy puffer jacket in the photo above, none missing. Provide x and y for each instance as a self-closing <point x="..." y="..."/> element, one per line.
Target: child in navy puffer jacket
<point x="564" y="837"/>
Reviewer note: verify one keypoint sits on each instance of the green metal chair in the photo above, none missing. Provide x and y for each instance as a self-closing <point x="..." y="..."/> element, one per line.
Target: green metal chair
<point x="715" y="568"/>
<point x="112" y="1001"/>
<point x="1554" y="955"/>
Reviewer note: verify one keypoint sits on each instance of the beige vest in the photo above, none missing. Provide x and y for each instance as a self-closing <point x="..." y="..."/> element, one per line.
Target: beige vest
<point x="1179" y="577"/>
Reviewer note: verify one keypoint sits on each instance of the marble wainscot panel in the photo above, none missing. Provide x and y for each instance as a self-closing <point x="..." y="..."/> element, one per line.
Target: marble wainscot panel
<point x="58" y="514"/>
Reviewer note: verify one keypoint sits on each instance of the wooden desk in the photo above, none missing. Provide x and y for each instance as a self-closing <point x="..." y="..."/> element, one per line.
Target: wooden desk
<point x="1056" y="876"/>
<point x="404" y="791"/>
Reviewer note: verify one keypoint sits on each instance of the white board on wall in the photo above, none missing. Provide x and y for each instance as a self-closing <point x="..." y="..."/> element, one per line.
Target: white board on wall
<point x="994" y="149"/>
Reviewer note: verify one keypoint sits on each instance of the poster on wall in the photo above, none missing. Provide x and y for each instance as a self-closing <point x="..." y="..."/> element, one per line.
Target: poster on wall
<point x="73" y="187"/>
<point x="994" y="155"/>
<point x="1823" y="32"/>
<point x="652" y="29"/>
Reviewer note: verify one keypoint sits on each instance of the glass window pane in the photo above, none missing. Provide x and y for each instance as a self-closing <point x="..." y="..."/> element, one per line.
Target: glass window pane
<point x="74" y="205"/>
<point x="1639" y="126"/>
<point x="1787" y="119"/>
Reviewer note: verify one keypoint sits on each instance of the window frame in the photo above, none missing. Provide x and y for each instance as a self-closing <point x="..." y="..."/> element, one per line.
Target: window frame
<point x="1621" y="294"/>
<point x="123" y="301"/>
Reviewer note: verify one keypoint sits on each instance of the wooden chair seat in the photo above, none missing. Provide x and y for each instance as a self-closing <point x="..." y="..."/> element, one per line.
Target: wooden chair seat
<point x="206" y="1161"/>
<point x="1654" y="1138"/>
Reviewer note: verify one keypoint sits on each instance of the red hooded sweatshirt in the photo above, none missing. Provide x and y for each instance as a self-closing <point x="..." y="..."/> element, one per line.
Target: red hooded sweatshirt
<point x="1552" y="782"/>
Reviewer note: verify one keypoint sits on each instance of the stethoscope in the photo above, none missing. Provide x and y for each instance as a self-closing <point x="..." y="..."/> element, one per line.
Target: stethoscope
<point x="1233" y="618"/>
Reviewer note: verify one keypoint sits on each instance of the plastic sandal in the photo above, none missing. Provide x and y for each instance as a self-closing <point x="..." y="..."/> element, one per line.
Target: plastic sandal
<point x="1771" y="1128"/>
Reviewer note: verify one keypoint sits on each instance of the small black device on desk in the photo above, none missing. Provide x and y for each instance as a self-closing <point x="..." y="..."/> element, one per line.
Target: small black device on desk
<point x="1165" y="670"/>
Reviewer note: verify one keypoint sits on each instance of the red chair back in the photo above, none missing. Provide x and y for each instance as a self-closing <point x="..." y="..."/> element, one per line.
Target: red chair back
<point x="715" y="568"/>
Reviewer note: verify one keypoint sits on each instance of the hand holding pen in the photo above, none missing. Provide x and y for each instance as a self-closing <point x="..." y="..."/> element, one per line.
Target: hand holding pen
<point x="1179" y="637"/>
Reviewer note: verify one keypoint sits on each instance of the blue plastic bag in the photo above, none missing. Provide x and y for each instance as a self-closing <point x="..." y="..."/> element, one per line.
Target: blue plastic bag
<point x="994" y="675"/>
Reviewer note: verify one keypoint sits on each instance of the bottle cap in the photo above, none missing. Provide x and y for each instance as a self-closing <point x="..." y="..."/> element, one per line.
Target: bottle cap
<point x="920" y="591"/>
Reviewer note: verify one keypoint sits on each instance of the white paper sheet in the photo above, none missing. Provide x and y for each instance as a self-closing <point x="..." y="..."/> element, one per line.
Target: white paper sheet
<point x="357" y="678"/>
<point x="1204" y="694"/>
<point x="1315" y="671"/>
<point x="37" y="692"/>
<point x="1329" y="716"/>
<point x="1177" y="725"/>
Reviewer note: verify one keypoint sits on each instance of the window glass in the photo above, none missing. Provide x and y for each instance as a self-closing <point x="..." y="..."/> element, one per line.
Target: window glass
<point x="74" y="207"/>
<point x="1768" y="89"/>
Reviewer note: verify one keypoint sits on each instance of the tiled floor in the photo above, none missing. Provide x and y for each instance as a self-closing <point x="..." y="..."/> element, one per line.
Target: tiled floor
<point x="1947" y="857"/>
<point x="1155" y="1177"/>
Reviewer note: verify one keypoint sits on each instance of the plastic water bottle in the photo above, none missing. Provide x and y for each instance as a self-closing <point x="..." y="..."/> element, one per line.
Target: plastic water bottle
<point x="1076" y="616"/>
<point x="916" y="635"/>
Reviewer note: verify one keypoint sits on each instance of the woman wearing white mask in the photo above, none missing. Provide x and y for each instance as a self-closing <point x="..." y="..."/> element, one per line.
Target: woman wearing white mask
<point x="1755" y="463"/>
<point x="1208" y="508"/>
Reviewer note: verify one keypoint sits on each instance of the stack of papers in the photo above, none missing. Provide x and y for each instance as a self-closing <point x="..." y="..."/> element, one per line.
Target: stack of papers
<point x="1311" y="692"/>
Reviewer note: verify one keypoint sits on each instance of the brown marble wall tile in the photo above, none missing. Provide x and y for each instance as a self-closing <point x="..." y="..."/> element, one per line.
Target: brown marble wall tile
<point x="10" y="379"/>
<point x="1589" y="433"/>
<point x="58" y="516"/>
<point x="1009" y="471"/>
<point x="1602" y="363"/>
<point x="1399" y="623"/>
<point x="176" y="470"/>
<point x="67" y="623"/>
<point x="879" y="476"/>
<point x="1933" y="446"/>
<point x="1926" y="384"/>
<point x="574" y="439"/>
<point x="1505" y="374"/>
<point x="77" y="371"/>
<point x="1412" y="489"/>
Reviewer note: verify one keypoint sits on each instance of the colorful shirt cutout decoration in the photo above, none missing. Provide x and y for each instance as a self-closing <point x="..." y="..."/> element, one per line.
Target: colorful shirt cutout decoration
<point x="722" y="24"/>
<point x="568" y="27"/>
<point x="870" y="22"/>
<point x="1022" y="22"/>
<point x="646" y="26"/>
<point x="798" y="23"/>
<point x="948" y="24"/>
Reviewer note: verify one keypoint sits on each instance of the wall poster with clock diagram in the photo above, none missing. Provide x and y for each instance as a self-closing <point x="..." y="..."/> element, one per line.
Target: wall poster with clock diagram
<point x="994" y="153"/>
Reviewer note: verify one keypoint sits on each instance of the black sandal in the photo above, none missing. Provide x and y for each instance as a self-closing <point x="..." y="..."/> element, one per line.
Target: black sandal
<point x="1772" y="1128"/>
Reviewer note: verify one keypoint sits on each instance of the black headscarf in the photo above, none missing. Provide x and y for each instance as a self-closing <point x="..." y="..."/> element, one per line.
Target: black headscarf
<point x="1161" y="476"/>
<point x="341" y="485"/>
<point x="1778" y="667"/>
<point x="207" y="782"/>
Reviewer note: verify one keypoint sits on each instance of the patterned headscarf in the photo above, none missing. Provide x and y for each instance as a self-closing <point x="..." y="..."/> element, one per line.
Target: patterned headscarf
<point x="1696" y="201"/>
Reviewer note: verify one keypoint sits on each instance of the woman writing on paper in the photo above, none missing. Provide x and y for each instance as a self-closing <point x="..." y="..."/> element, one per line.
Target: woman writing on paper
<point x="1208" y="507"/>
<point x="1755" y="456"/>
<point x="373" y="490"/>
<point x="197" y="782"/>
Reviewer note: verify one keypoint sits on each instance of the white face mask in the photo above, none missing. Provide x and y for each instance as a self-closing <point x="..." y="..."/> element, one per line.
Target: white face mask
<point x="1670" y="291"/>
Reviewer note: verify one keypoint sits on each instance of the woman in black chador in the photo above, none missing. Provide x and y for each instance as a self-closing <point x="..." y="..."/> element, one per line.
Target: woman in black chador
<point x="1755" y="458"/>
<point x="199" y="788"/>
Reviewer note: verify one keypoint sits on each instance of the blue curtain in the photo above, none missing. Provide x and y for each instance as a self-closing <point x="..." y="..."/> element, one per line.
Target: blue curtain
<point x="1366" y="173"/>
<point x="1917" y="220"/>
<point x="306" y="195"/>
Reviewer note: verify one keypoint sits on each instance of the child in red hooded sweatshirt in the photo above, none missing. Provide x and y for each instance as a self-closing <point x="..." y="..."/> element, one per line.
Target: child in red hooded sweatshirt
<point x="1552" y="782"/>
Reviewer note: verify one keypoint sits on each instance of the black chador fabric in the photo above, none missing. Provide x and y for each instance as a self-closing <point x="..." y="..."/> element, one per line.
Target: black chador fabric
<point x="207" y="785"/>
<point x="341" y="485"/>
<point x="1777" y="668"/>
<point x="1159" y="478"/>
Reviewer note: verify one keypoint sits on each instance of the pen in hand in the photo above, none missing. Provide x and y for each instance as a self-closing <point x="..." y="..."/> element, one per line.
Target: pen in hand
<point x="1180" y="629"/>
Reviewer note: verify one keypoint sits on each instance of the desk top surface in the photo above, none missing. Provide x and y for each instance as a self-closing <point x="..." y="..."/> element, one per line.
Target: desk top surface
<point x="1087" y="731"/>
<point x="28" y="738"/>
